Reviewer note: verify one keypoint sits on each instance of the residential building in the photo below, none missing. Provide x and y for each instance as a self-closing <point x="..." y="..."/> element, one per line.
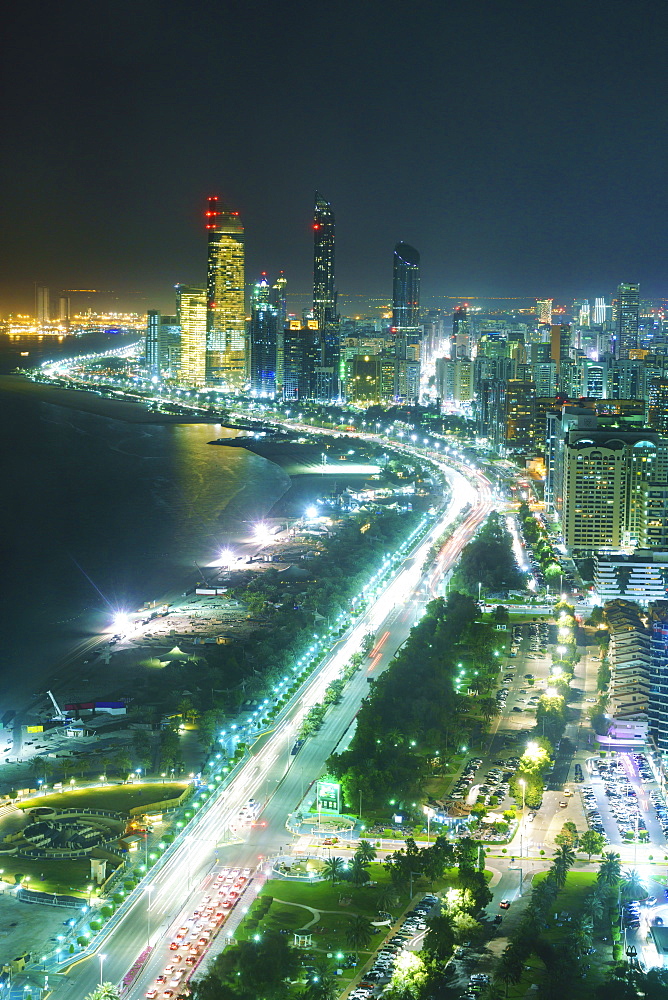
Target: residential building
<point x="191" y="316"/>
<point x="544" y="311"/>
<point x="630" y="661"/>
<point x="152" y="343"/>
<point x="658" y="679"/>
<point x="640" y="576"/>
<point x="297" y="358"/>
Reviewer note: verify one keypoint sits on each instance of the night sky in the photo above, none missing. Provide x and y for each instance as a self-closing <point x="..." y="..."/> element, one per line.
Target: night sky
<point x="520" y="146"/>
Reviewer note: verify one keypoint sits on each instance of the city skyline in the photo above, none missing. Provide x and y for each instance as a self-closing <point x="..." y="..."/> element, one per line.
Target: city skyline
<point x="514" y="181"/>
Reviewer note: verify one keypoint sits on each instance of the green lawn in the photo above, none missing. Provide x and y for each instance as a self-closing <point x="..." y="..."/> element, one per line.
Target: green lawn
<point x="116" y="798"/>
<point x="70" y="876"/>
<point x="329" y="933"/>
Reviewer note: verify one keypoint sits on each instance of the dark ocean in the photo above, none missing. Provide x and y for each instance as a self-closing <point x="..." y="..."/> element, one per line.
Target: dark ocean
<point x="99" y="514"/>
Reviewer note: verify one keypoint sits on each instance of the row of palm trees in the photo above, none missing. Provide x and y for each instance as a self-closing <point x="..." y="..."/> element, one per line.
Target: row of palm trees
<point x="561" y="964"/>
<point x="337" y="870"/>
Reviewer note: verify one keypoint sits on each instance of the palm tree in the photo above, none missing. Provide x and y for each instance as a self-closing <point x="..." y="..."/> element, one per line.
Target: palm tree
<point x="609" y="870"/>
<point x="333" y="869"/>
<point x="359" y="933"/>
<point x="542" y="897"/>
<point x="564" y="858"/>
<point x="593" y="907"/>
<point x="106" y="991"/>
<point x="366" y="850"/>
<point x="488" y="708"/>
<point x="321" y="983"/>
<point x="357" y="872"/>
<point x="632" y="885"/>
<point x="386" y="898"/>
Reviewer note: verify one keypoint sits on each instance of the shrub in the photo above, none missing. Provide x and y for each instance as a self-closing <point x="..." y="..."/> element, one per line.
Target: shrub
<point x="106" y="912"/>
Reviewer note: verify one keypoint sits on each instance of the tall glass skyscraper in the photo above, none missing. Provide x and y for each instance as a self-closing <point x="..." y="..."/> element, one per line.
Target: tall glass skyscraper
<point x="405" y="298"/>
<point x="267" y="316"/>
<point x="324" y="292"/>
<point x="628" y="310"/>
<point x="406" y="288"/>
<point x="226" y="316"/>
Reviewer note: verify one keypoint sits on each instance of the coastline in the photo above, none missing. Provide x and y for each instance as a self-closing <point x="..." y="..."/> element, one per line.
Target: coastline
<point x="90" y="402"/>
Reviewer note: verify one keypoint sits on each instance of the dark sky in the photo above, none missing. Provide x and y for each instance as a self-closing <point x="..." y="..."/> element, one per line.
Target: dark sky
<point x="520" y="146"/>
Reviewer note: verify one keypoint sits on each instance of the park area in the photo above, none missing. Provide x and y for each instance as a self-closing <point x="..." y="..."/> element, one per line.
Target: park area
<point x="72" y="876"/>
<point x="116" y="798"/>
<point x="327" y="912"/>
<point x="568" y="907"/>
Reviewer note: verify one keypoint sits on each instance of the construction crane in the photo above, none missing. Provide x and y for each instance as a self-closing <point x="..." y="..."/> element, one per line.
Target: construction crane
<point x="60" y="715"/>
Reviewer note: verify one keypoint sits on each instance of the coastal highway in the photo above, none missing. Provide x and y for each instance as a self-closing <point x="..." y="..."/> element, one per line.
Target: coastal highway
<point x="271" y="775"/>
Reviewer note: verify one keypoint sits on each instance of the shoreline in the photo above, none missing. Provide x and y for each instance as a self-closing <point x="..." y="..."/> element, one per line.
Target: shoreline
<point x="89" y="402"/>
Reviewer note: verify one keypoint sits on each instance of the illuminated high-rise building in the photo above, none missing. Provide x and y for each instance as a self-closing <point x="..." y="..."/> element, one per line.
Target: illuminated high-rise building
<point x="599" y="311"/>
<point x="405" y="288"/>
<point x="152" y="342"/>
<point x="544" y="310"/>
<point x="460" y="346"/>
<point x="327" y="383"/>
<point x="191" y="316"/>
<point x="298" y="357"/>
<point x="278" y="299"/>
<point x="263" y="335"/>
<point x="226" y="316"/>
<point x="628" y="310"/>
<point x="324" y="290"/>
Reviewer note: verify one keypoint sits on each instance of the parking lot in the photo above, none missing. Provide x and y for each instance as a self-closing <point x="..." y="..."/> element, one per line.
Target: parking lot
<point x="407" y="938"/>
<point x="622" y="800"/>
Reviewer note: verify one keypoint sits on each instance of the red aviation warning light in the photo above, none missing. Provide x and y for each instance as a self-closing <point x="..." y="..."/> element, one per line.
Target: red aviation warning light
<point x="212" y="212"/>
<point x="316" y="225"/>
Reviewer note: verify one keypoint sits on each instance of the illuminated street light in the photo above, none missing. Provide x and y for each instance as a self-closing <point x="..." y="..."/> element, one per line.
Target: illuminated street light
<point x="262" y="533"/>
<point x="121" y="622"/>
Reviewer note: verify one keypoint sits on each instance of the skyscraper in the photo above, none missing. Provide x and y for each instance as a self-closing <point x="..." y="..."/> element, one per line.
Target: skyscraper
<point x="64" y="309"/>
<point x="406" y="288"/>
<point x="327" y="373"/>
<point x="599" y="311"/>
<point x="298" y="357"/>
<point x="544" y="310"/>
<point x="191" y="315"/>
<point x="628" y="309"/>
<point x="42" y="304"/>
<point x="324" y="291"/>
<point x="152" y="342"/>
<point x="226" y="316"/>
<point x="263" y="335"/>
<point x="459" y="345"/>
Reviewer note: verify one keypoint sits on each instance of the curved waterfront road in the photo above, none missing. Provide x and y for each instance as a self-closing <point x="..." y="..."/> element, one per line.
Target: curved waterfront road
<point x="271" y="775"/>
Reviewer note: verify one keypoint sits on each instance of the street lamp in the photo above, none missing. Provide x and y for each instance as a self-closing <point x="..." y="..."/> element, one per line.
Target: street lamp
<point x="101" y="958"/>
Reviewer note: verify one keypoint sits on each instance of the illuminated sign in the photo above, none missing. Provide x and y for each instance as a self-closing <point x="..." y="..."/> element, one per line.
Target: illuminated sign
<point x="329" y="796"/>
